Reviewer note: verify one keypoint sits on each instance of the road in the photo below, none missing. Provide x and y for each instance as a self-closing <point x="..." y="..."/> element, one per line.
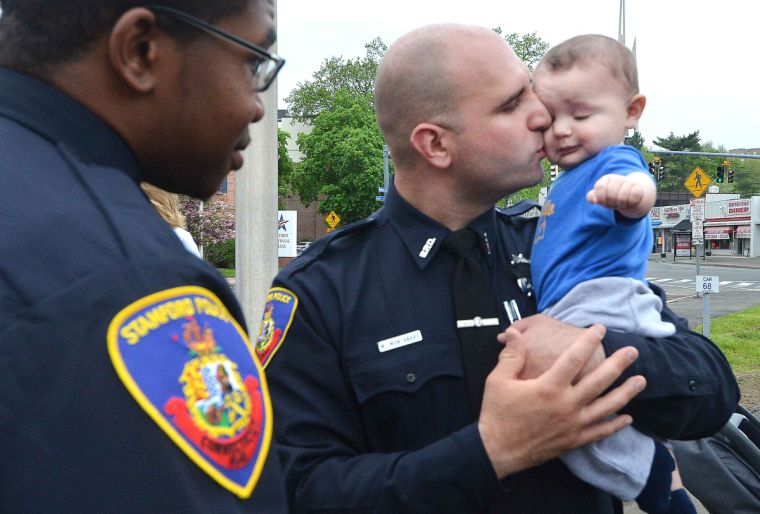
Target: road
<point x="739" y="288"/>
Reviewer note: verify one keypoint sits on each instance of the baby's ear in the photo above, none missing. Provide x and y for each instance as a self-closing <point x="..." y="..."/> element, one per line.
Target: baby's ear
<point x="635" y="109"/>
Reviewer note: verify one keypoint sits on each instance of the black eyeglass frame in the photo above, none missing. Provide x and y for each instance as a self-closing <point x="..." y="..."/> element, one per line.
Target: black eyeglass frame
<point x="209" y="28"/>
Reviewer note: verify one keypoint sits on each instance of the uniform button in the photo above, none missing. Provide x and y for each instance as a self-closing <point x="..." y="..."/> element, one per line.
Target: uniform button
<point x="411" y="378"/>
<point x="693" y="384"/>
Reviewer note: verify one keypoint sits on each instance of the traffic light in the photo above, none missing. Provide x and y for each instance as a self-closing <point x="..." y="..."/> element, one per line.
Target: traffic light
<point x="660" y="172"/>
<point x="554" y="171"/>
<point x="730" y="176"/>
<point x="719" y="180"/>
<point x="652" y="168"/>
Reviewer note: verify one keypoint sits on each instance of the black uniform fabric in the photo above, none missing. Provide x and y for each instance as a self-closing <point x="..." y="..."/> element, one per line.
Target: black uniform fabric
<point x="473" y="301"/>
<point x="79" y="242"/>
<point x="364" y="430"/>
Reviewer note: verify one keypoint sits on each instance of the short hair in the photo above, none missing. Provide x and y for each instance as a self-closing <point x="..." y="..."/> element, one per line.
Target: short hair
<point x="165" y="203"/>
<point x="36" y="35"/>
<point x="595" y="48"/>
<point x="414" y="84"/>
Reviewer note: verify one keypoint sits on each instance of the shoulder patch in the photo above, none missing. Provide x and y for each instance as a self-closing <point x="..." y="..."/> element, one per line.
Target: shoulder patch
<point x="190" y="366"/>
<point x="278" y="315"/>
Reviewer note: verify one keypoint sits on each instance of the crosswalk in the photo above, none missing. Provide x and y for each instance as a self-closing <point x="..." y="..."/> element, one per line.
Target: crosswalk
<point x="688" y="283"/>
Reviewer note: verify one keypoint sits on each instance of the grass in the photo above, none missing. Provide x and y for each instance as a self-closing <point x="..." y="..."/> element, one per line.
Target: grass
<point x="227" y="272"/>
<point x="738" y="335"/>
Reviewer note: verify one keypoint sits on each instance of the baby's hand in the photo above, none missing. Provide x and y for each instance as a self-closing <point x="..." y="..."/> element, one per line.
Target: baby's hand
<point x="618" y="192"/>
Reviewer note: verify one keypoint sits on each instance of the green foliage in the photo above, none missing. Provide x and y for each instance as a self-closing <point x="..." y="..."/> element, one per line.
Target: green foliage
<point x="687" y="143"/>
<point x="284" y="165"/>
<point x="529" y="193"/>
<point x="635" y="140"/>
<point x="529" y="47"/>
<point x="679" y="167"/>
<point x="355" y="76"/>
<point x="221" y="255"/>
<point x="746" y="177"/>
<point x="343" y="164"/>
<point x="738" y="335"/>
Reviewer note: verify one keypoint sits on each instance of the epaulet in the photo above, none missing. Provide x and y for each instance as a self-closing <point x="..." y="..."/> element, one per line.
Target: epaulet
<point x="318" y="247"/>
<point x="526" y="209"/>
<point x="520" y="214"/>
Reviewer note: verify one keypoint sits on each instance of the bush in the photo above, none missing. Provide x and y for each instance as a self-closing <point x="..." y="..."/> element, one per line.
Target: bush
<point x="221" y="255"/>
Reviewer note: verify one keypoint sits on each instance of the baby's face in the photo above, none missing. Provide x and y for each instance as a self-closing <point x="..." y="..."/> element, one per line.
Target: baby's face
<point x="589" y="109"/>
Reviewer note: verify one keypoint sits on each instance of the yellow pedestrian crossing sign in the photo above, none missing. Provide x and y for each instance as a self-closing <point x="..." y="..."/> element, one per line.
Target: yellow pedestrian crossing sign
<point x="332" y="219"/>
<point x="697" y="182"/>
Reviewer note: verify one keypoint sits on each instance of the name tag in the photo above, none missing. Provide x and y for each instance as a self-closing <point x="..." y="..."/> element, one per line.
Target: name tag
<point x="399" y="341"/>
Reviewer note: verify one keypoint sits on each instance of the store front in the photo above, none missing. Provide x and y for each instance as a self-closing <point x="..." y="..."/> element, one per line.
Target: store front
<point x="719" y="240"/>
<point x="743" y="236"/>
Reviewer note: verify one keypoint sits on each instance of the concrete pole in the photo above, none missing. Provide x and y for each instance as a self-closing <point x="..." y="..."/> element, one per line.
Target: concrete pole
<point x="256" y="214"/>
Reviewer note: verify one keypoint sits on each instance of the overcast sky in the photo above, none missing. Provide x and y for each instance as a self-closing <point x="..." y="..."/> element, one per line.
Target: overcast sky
<point x="699" y="60"/>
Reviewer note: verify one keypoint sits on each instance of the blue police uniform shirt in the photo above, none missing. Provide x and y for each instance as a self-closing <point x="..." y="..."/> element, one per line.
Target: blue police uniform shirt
<point x="366" y="373"/>
<point x="577" y="241"/>
<point x="118" y="348"/>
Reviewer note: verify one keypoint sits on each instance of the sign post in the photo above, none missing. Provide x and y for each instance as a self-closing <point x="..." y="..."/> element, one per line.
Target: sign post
<point x="697" y="182"/>
<point x="707" y="284"/>
<point x="332" y="221"/>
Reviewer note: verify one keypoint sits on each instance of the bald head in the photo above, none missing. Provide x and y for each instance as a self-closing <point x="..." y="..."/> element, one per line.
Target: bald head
<point x="419" y="81"/>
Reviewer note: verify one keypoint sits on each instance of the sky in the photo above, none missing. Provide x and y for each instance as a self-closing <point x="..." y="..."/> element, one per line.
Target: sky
<point x="699" y="60"/>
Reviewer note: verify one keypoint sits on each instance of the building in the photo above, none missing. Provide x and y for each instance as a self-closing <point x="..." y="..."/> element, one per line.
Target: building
<point x="731" y="226"/>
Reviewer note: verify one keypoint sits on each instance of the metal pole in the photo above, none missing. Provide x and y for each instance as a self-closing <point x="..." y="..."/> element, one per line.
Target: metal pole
<point x="706" y="316"/>
<point x="708" y="154"/>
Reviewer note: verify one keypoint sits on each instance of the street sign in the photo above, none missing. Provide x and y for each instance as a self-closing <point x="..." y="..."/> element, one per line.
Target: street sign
<point x="697" y="182"/>
<point x="708" y="284"/>
<point x="381" y="190"/>
<point x="332" y="219"/>
<point x="380" y="198"/>
<point x="697" y="220"/>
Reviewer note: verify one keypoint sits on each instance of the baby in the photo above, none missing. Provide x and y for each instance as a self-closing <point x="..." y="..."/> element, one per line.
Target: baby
<point x="593" y="239"/>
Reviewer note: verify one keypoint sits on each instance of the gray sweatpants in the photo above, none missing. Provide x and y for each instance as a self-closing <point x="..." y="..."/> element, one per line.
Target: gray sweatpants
<point x="620" y="463"/>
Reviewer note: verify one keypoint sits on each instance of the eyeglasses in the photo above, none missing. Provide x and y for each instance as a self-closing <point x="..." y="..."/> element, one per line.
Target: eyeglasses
<point x="265" y="68"/>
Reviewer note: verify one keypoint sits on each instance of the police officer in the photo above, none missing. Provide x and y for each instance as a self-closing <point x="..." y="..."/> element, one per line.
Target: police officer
<point x="367" y="372"/>
<point x="127" y="380"/>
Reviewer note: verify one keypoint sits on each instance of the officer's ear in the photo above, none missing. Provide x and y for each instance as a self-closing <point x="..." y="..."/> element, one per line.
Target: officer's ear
<point x="133" y="47"/>
<point x="432" y="143"/>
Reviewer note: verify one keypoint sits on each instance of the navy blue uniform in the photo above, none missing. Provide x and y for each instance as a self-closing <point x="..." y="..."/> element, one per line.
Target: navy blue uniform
<point x="80" y="245"/>
<point x="372" y="405"/>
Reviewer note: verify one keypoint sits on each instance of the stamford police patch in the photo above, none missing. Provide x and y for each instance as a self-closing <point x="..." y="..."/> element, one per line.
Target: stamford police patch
<point x="278" y="315"/>
<point x="189" y="364"/>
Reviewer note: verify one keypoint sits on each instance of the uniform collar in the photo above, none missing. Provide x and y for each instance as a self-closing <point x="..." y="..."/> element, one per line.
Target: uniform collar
<point x="423" y="236"/>
<point x="59" y="118"/>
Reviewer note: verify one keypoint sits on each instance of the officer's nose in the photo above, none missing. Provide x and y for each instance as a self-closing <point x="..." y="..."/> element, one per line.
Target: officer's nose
<point x="539" y="119"/>
<point x="258" y="107"/>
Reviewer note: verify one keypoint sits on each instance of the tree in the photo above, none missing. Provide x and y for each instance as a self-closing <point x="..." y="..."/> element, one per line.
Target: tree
<point x="679" y="167"/>
<point x="284" y="165"/>
<point x="635" y="140"/>
<point x="343" y="164"/>
<point x="529" y="47"/>
<point x="688" y="143"/>
<point x="214" y="224"/>
<point x="355" y="77"/>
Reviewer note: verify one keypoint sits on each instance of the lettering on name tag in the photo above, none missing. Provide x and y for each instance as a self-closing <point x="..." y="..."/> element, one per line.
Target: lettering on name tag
<point x="399" y="341"/>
